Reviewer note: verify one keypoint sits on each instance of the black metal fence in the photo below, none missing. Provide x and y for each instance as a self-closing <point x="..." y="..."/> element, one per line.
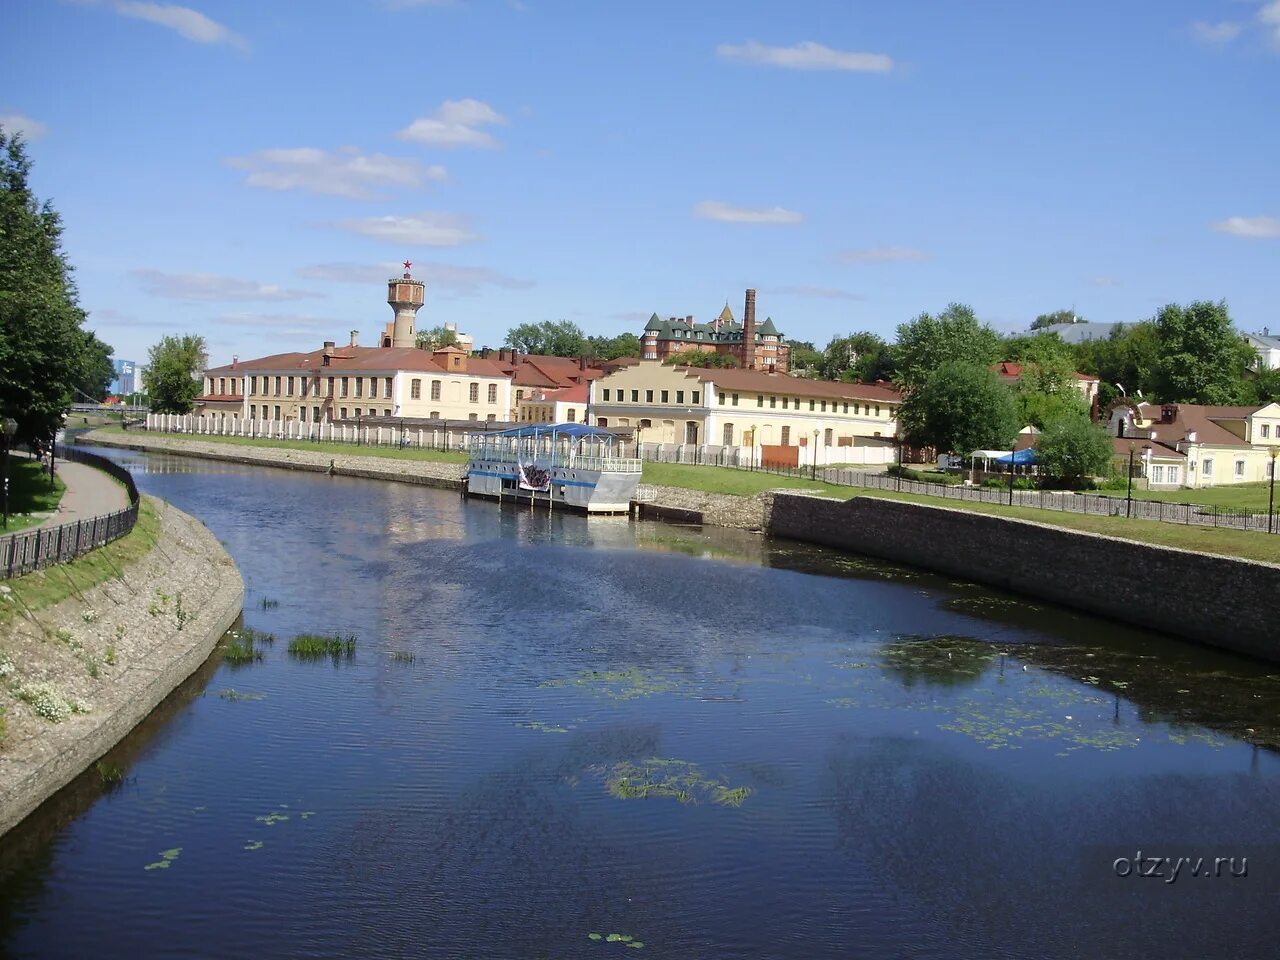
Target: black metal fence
<point x="1064" y="501"/>
<point x="32" y="549"/>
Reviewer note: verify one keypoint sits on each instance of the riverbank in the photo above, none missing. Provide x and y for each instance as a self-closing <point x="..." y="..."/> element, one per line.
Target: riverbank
<point x="88" y="649"/>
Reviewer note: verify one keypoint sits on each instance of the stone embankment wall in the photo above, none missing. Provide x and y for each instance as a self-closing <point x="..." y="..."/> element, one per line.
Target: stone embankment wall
<point x="424" y="472"/>
<point x="116" y="651"/>
<point x="678" y="505"/>
<point x="1221" y="601"/>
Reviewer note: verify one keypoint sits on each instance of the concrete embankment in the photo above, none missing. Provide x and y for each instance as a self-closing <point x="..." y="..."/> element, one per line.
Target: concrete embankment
<point x="1220" y="601"/>
<point x="429" y="473"/>
<point x="104" y="658"/>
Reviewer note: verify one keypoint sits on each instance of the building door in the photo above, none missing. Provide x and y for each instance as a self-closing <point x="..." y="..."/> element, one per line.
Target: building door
<point x="786" y="436"/>
<point x="691" y="432"/>
<point x="728" y="434"/>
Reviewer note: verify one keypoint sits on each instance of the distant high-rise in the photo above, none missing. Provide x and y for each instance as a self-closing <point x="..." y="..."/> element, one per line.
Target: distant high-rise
<point x="126" y="381"/>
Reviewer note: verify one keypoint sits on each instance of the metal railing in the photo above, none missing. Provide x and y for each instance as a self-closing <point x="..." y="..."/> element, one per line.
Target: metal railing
<point x="33" y="549"/>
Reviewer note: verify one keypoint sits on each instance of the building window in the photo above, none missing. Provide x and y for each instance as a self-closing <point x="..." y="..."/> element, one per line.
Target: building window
<point x="288" y="386"/>
<point x="359" y="387"/>
<point x="773" y="401"/>
<point x="1157" y="474"/>
<point x="253" y="411"/>
<point x="679" y="396"/>
<point x="373" y="388"/>
<point x="722" y="399"/>
<point x="846" y="408"/>
<point x="315" y="414"/>
<point x="759" y="400"/>
<point x="343" y="413"/>
<point x="635" y="396"/>
<point x="519" y="395"/>
<point x="474" y="393"/>
<point x="492" y="417"/>
<point x="784" y="402"/>
<point x="360" y="412"/>
<point x="877" y="409"/>
<point x="302" y="414"/>
<point x="330" y="387"/>
<point x="277" y="413"/>
<point x="728" y="434"/>
<point x="278" y="379"/>
<point x="303" y="383"/>
<point x="388" y="388"/>
<point x="1266" y="430"/>
<point x="415" y="389"/>
<point x="826" y="438"/>
<point x="606" y="395"/>
<point x="813" y="405"/>
<point x="1239" y="468"/>
<point x="666" y="395"/>
<point x="435" y="414"/>
<point x="473" y="416"/>
<point x="1206" y="467"/>
<point x="694" y="398"/>
<point x="735" y="399"/>
<point x="435" y="389"/>
<point x="1173" y="474"/>
<point x="344" y="386"/>
<point x="493" y="393"/>
<point x="571" y="415"/>
<point x="786" y="436"/>
<point x="648" y="396"/>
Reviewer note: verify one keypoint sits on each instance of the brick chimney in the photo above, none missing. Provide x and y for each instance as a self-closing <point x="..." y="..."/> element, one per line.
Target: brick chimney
<point x="749" y="331"/>
<point x="582" y="363"/>
<point x="355" y="338"/>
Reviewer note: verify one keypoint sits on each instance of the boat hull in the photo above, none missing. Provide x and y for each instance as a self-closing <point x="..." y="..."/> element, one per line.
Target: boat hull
<point x="571" y="488"/>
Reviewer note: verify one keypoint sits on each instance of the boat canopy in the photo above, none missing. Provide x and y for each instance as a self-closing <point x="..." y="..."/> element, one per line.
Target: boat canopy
<point x="569" y="431"/>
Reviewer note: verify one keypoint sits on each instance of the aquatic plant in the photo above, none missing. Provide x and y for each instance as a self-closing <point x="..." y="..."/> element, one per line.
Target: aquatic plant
<point x="109" y="773"/>
<point x="311" y="646"/>
<point x="626" y="939"/>
<point x="268" y="604"/>
<point x="402" y="656"/>
<point x="253" y="845"/>
<point x="677" y="779"/>
<point x="238" y="651"/>
<point x="234" y="695"/>
<point x="166" y="858"/>
<point x="271" y="819"/>
<point x="619" y="684"/>
<point x="543" y="727"/>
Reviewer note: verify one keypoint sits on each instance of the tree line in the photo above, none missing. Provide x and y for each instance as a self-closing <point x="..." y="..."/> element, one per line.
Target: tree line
<point x="48" y="360"/>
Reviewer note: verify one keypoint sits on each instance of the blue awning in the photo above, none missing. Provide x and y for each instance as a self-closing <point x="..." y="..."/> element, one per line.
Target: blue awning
<point x="573" y="431"/>
<point x="1020" y="459"/>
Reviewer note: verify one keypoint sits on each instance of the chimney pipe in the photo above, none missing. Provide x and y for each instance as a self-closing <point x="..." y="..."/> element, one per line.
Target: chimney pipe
<point x="749" y="331"/>
<point x="355" y="338"/>
<point x="582" y="362"/>
<point x="235" y="362"/>
<point x="689" y="321"/>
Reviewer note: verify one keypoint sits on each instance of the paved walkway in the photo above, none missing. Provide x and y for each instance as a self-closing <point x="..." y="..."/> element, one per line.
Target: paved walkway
<point x="90" y="493"/>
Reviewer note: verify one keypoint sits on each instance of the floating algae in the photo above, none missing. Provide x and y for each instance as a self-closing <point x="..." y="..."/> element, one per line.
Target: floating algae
<point x="271" y="819"/>
<point x="543" y="727"/>
<point x="236" y="695"/>
<point x="619" y="684"/>
<point x="677" y="779"/>
<point x="253" y="845"/>
<point x="626" y="939"/>
<point x="166" y="858"/>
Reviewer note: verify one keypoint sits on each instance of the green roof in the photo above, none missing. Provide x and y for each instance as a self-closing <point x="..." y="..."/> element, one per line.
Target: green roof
<point x="655" y="323"/>
<point x="767" y="328"/>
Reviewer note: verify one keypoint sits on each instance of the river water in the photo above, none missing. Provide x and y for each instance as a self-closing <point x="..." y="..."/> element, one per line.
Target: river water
<point x="568" y="739"/>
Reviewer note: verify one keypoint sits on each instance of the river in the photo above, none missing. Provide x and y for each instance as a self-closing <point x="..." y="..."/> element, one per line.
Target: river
<point x="561" y="738"/>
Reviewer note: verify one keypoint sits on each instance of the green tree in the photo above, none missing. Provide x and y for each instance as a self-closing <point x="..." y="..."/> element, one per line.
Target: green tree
<point x="697" y="358"/>
<point x="1127" y="358"/>
<point x="804" y="358"/>
<point x="42" y="345"/>
<point x="96" y="370"/>
<point x="437" y="338"/>
<point x="861" y="356"/>
<point x="172" y="374"/>
<point x="1058" y="316"/>
<point x="1202" y="357"/>
<point x="961" y="407"/>
<point x="1072" y="448"/>
<point x="1266" y="386"/>
<point x="611" y="348"/>
<point x="927" y="342"/>
<point x="556" y="338"/>
<point x="1046" y="389"/>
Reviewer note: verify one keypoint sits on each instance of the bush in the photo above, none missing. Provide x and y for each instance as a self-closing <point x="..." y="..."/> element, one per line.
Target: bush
<point x="925" y="476"/>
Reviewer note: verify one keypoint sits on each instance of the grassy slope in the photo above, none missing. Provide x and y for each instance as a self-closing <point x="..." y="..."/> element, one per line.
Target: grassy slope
<point x="29" y="492"/>
<point x="1235" y="543"/>
<point x="346" y="449"/>
<point x="1241" y="496"/>
<point x="43" y="588"/>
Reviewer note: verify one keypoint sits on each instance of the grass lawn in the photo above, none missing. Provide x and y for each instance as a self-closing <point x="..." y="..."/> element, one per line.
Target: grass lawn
<point x="30" y="493"/>
<point x="1233" y="543"/>
<point x="1241" y="496"/>
<point x="346" y="449"/>
<point x="43" y="588"/>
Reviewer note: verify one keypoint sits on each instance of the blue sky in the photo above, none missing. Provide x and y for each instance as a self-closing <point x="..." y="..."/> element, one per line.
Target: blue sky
<point x="250" y="170"/>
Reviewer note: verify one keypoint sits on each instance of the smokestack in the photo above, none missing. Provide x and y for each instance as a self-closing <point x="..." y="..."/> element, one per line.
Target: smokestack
<point x="235" y="362"/>
<point x="355" y="338"/>
<point x="749" y="331"/>
<point x="582" y="363"/>
<point x="689" y="321"/>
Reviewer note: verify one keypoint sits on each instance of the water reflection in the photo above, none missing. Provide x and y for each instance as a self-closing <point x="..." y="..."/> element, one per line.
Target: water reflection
<point x="543" y="716"/>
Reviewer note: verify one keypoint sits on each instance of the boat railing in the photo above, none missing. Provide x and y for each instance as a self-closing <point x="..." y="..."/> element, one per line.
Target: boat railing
<point x="546" y="458"/>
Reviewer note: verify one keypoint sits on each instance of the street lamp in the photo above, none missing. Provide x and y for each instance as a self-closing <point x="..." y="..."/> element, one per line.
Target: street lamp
<point x="752" y="447"/>
<point x="1128" y="497"/>
<point x="1271" y="501"/>
<point x="813" y="462"/>
<point x="11" y="427"/>
<point x="1013" y="458"/>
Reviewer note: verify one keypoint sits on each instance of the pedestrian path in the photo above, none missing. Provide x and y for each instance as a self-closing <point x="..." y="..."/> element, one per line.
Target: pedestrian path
<point x="90" y="493"/>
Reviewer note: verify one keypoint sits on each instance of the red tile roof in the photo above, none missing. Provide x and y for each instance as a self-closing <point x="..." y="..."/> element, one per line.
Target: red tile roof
<point x="1009" y="370"/>
<point x="729" y="378"/>
<point x="363" y="359"/>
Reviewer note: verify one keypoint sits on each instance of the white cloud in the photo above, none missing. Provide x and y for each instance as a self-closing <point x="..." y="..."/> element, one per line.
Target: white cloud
<point x="1105" y="282"/>
<point x="421" y="230"/>
<point x="456" y="124"/>
<point x="1269" y="17"/>
<point x="1217" y="34"/>
<point x="17" y="124"/>
<point x="1254" y="227"/>
<point x="882" y="255"/>
<point x="461" y="280"/>
<point x="717" y="210"/>
<point x="345" y="172"/>
<point x="186" y="22"/>
<point x="210" y="287"/>
<point x="805" y="56"/>
<point x="824" y="293"/>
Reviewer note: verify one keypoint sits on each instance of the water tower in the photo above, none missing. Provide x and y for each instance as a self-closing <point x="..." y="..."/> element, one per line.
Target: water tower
<point x="405" y="295"/>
